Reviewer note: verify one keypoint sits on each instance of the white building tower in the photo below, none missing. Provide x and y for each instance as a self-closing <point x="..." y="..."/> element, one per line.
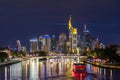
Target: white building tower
<point x="18" y="45"/>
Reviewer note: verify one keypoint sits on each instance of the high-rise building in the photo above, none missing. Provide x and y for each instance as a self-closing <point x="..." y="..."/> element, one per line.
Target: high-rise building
<point x="18" y="44"/>
<point x="23" y="48"/>
<point x="87" y="39"/>
<point x="45" y="43"/>
<point x="72" y="36"/>
<point x="74" y="41"/>
<point x="40" y="43"/>
<point x="53" y="43"/>
<point x="62" y="43"/>
<point x="33" y="45"/>
<point x="97" y="43"/>
<point x="102" y="46"/>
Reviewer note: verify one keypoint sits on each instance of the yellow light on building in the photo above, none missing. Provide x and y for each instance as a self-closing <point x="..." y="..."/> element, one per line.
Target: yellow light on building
<point x="74" y="30"/>
<point x="70" y="23"/>
<point x="73" y="50"/>
<point x="88" y="49"/>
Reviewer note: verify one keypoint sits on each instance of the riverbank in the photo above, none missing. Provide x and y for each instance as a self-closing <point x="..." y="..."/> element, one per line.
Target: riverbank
<point x="9" y="62"/>
<point x="14" y="61"/>
<point x="103" y="65"/>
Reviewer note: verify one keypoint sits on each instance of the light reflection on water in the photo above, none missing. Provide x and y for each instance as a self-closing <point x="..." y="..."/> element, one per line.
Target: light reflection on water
<point x="53" y="69"/>
<point x="36" y="70"/>
<point x="104" y="73"/>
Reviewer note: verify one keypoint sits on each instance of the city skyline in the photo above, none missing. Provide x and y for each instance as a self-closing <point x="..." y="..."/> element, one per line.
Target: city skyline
<point x="23" y="19"/>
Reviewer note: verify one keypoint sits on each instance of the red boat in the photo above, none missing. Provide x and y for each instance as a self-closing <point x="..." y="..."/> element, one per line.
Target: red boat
<point x="79" y="71"/>
<point x="79" y="68"/>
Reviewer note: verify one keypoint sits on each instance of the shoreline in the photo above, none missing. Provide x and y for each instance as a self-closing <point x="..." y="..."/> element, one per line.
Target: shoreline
<point x="13" y="61"/>
<point x="103" y="65"/>
<point x="16" y="61"/>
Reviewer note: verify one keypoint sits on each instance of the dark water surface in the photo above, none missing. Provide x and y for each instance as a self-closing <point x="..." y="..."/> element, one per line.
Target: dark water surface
<point x="54" y="69"/>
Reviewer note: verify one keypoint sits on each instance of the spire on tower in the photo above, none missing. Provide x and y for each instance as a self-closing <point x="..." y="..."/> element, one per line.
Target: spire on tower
<point x="69" y="23"/>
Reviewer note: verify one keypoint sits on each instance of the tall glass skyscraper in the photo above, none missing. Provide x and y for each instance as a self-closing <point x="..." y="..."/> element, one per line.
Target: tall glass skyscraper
<point x="53" y="43"/>
<point x="72" y="36"/>
<point x="18" y="45"/>
<point x="62" y="43"/>
<point x="33" y="45"/>
<point x="45" y="43"/>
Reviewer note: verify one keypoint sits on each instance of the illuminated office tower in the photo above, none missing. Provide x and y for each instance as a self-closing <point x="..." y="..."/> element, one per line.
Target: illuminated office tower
<point x="18" y="44"/>
<point x="72" y="36"/>
<point x="62" y="43"/>
<point x="74" y="40"/>
<point x="87" y="39"/>
<point x="96" y="43"/>
<point x="53" y="43"/>
<point x="45" y="42"/>
<point x="34" y="45"/>
<point x="40" y="43"/>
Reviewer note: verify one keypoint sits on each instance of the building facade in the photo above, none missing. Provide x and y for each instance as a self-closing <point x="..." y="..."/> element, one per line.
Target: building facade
<point x="18" y="45"/>
<point x="87" y="40"/>
<point x="45" y="43"/>
<point x="62" y="43"/>
<point x="33" y="45"/>
<point x="72" y="37"/>
<point x="53" y="43"/>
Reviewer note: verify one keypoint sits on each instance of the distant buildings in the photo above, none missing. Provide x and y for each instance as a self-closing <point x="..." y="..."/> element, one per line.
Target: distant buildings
<point x="74" y="44"/>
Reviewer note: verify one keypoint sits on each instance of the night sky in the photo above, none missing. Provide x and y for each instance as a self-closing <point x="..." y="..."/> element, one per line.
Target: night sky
<point x="25" y="19"/>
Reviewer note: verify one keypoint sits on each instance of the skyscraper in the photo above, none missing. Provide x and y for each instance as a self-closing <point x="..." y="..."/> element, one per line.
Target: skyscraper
<point x="45" y="43"/>
<point x="33" y="45"/>
<point x="40" y="43"/>
<point x="74" y="40"/>
<point x="72" y="36"/>
<point x="62" y="43"/>
<point x="18" y="44"/>
<point x="53" y="43"/>
<point x="23" y="48"/>
<point x="87" y="39"/>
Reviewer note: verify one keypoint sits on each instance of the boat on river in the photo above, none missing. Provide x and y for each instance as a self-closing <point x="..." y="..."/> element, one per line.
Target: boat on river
<point x="79" y="68"/>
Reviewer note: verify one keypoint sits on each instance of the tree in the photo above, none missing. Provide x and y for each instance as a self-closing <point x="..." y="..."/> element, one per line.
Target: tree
<point x="110" y="53"/>
<point x="14" y="54"/>
<point x="3" y="56"/>
<point x="42" y="53"/>
<point x="21" y="53"/>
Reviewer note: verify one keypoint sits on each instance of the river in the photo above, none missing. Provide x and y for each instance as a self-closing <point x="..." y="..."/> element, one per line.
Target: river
<point x="54" y="69"/>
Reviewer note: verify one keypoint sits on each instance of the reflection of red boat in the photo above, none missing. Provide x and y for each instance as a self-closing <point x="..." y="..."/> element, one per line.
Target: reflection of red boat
<point x="79" y="71"/>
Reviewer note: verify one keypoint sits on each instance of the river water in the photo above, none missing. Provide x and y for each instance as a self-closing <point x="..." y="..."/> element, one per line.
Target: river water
<point x="54" y="69"/>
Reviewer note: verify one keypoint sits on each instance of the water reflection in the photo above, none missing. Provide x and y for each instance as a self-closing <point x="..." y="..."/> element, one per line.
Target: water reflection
<point x="35" y="70"/>
<point x="104" y="73"/>
<point x="53" y="69"/>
